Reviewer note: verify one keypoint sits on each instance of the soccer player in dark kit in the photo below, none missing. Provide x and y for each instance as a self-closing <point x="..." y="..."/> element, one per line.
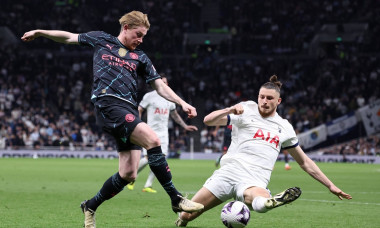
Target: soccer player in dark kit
<point x="117" y="64"/>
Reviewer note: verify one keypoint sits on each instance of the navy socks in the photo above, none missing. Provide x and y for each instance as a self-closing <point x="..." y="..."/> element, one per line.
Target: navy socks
<point x="160" y="168"/>
<point x="111" y="187"/>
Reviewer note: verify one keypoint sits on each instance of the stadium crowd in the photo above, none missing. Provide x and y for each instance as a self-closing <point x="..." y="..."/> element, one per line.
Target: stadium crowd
<point x="44" y="92"/>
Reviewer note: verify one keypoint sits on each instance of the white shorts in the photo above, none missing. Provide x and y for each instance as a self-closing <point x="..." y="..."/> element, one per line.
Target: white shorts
<point x="231" y="180"/>
<point x="164" y="148"/>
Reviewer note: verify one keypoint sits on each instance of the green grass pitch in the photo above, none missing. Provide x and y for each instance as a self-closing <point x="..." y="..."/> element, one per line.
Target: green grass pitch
<point x="39" y="193"/>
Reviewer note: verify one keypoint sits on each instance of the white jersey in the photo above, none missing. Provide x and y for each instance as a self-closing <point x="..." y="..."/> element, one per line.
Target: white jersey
<point x="256" y="141"/>
<point x="158" y="110"/>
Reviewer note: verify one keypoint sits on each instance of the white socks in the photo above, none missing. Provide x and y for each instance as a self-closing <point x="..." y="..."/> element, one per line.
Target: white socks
<point x="258" y="204"/>
<point x="143" y="162"/>
<point x="150" y="179"/>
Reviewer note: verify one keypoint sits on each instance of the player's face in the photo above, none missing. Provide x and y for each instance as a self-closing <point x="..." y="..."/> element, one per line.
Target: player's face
<point x="133" y="37"/>
<point x="268" y="101"/>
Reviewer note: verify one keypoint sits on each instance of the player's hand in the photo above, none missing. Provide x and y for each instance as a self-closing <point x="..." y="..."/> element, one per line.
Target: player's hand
<point x="237" y="109"/>
<point x="191" y="128"/>
<point x="190" y="110"/>
<point x="29" y="36"/>
<point x="342" y="195"/>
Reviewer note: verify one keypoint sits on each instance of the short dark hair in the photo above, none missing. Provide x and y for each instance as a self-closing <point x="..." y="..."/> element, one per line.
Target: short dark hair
<point x="273" y="83"/>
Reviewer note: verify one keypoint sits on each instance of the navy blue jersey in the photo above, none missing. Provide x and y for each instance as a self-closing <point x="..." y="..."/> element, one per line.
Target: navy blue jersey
<point x="116" y="69"/>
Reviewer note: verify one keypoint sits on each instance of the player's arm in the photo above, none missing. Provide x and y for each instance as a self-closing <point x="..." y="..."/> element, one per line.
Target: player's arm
<point x="166" y="92"/>
<point x="141" y="111"/>
<point x="177" y="118"/>
<point x="313" y="170"/>
<point x="219" y="117"/>
<point x="215" y="132"/>
<point x="55" y="35"/>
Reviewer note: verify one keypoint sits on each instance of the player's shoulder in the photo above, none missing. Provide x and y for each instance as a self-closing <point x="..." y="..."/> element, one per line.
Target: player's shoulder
<point x="249" y="106"/>
<point x="96" y="37"/>
<point x="140" y="53"/>
<point x="150" y="94"/>
<point x="249" y="102"/>
<point x="97" y="34"/>
<point x="284" y="122"/>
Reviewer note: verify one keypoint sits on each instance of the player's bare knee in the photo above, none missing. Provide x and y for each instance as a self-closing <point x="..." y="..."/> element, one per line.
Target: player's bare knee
<point x="153" y="142"/>
<point x="128" y="175"/>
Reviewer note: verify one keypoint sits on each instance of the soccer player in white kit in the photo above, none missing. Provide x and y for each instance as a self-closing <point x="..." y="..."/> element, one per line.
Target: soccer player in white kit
<point x="258" y="135"/>
<point x="158" y="110"/>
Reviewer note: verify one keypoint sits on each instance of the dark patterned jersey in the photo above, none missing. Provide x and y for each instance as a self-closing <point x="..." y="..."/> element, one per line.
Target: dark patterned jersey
<point x="227" y="136"/>
<point x="116" y="69"/>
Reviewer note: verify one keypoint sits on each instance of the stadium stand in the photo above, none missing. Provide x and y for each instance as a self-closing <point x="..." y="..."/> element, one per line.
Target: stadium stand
<point x="45" y="87"/>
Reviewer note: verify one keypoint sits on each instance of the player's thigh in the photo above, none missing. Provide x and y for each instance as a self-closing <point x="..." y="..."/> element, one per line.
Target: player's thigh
<point x="207" y="198"/>
<point x="252" y="192"/>
<point x="144" y="136"/>
<point x="128" y="164"/>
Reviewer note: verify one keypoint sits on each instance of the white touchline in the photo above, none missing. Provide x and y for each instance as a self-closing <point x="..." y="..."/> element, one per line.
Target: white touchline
<point x="349" y="202"/>
<point x="324" y="192"/>
<point x="325" y="201"/>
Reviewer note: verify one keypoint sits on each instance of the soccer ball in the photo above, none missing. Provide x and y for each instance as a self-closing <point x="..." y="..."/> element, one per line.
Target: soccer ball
<point x="235" y="214"/>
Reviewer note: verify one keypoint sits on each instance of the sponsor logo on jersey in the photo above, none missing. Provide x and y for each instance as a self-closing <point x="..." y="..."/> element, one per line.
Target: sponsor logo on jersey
<point x="109" y="46"/>
<point x="116" y="61"/>
<point x="267" y="137"/>
<point x="162" y="111"/>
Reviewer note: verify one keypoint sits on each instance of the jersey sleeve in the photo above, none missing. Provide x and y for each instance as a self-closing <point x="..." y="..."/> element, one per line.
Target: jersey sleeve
<point x="172" y="106"/>
<point x="148" y="71"/>
<point x="237" y="119"/>
<point x="145" y="101"/>
<point x="292" y="140"/>
<point x="233" y="119"/>
<point x="90" y="39"/>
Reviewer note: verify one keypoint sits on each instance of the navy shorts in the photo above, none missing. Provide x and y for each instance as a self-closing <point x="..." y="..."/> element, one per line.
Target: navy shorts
<point x="117" y="118"/>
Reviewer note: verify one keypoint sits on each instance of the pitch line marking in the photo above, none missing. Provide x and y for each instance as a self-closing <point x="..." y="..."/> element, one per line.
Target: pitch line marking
<point x="314" y="192"/>
<point x="327" y="201"/>
<point x="330" y="201"/>
<point x="318" y="192"/>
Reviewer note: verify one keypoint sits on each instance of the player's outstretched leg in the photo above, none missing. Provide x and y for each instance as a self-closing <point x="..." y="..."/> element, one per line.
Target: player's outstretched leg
<point x="186" y="205"/>
<point x="142" y="164"/>
<point x="160" y="168"/>
<point x="89" y="215"/>
<point x="180" y="223"/>
<point x="282" y="198"/>
<point x="111" y="187"/>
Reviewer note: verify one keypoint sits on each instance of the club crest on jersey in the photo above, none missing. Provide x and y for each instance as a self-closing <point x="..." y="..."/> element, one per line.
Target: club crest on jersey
<point x="129" y="118"/>
<point x="260" y="134"/>
<point x="122" y="52"/>
<point x="133" y="55"/>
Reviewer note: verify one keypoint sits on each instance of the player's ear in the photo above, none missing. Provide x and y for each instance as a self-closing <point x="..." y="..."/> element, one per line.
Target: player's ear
<point x="279" y="101"/>
<point x="125" y="27"/>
